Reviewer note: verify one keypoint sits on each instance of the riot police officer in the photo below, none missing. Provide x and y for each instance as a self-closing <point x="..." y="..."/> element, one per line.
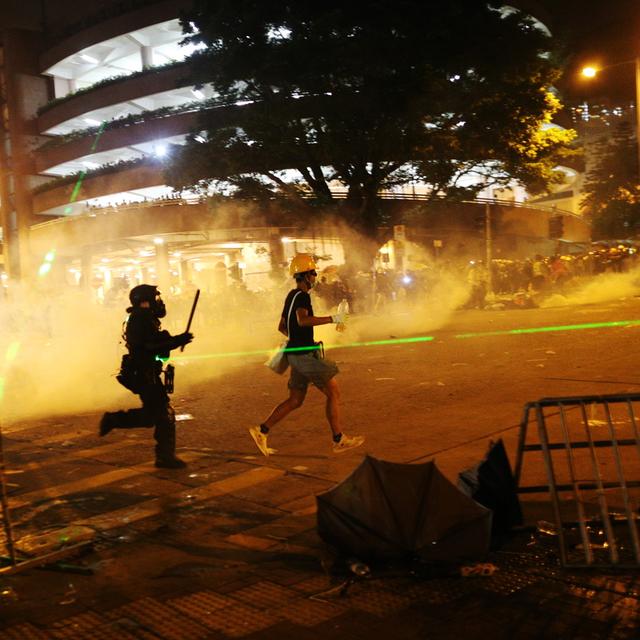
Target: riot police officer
<point x="140" y="373"/>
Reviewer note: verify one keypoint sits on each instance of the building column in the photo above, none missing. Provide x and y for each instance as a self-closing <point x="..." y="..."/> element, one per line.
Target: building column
<point x="59" y="271"/>
<point x="22" y="89"/>
<point x="162" y="267"/>
<point x="64" y="86"/>
<point x="146" y="54"/>
<point x="276" y="256"/>
<point x="185" y="273"/>
<point x="86" y="270"/>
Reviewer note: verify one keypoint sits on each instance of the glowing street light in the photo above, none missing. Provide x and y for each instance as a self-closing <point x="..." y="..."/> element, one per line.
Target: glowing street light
<point x="592" y="72"/>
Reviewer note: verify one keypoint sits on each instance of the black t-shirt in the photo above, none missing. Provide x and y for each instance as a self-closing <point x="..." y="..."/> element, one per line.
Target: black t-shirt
<point x="298" y="336"/>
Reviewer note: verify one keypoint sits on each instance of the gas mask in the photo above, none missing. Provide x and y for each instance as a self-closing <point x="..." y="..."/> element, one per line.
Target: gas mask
<point x="158" y="308"/>
<point x="147" y="293"/>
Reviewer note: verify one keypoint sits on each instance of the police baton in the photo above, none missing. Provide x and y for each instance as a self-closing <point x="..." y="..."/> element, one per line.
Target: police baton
<point x="193" y="310"/>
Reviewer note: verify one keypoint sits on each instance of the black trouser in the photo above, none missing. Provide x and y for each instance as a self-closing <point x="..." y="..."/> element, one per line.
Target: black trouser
<point x="156" y="411"/>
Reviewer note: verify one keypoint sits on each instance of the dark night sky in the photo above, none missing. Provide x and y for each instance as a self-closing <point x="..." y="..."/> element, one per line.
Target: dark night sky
<point x="596" y="31"/>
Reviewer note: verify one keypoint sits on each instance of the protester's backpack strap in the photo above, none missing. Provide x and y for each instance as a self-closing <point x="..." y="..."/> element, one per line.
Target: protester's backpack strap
<point x="290" y="310"/>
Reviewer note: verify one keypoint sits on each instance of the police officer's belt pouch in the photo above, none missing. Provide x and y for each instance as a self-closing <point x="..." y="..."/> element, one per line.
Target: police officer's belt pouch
<point x="169" y="376"/>
<point x="129" y="377"/>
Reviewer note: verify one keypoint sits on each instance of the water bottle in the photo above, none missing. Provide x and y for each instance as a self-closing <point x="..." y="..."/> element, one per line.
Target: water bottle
<point x="343" y="308"/>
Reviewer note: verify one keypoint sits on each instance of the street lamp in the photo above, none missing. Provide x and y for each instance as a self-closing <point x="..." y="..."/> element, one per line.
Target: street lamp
<point x="592" y="72"/>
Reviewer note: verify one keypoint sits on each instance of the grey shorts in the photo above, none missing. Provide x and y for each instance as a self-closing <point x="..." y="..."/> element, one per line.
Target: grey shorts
<point x="310" y="368"/>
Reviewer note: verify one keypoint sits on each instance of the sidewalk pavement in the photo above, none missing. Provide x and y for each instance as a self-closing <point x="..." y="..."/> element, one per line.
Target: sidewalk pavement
<point x="228" y="548"/>
<point x="216" y="569"/>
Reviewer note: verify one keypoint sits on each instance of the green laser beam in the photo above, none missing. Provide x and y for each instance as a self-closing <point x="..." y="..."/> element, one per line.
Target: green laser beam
<point x="369" y="343"/>
<point x="562" y="327"/>
<point x="46" y="266"/>
<point x="83" y="173"/>
<point x="76" y="187"/>
<point x="393" y="341"/>
<point x="232" y="354"/>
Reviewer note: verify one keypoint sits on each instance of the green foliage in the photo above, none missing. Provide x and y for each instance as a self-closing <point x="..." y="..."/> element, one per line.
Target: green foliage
<point x="370" y="99"/>
<point x="123" y="121"/>
<point x="105" y="82"/>
<point x="612" y="192"/>
<point x="111" y="167"/>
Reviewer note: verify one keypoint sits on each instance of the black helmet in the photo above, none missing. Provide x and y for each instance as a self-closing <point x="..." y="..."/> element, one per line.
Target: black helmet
<point x="147" y="293"/>
<point x="143" y="293"/>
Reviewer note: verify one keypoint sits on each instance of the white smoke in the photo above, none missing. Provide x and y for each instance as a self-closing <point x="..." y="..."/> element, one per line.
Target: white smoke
<point x="604" y="287"/>
<point x="60" y="350"/>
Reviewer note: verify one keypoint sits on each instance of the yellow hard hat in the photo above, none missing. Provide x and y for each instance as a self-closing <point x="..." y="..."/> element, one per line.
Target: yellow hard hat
<point x="301" y="263"/>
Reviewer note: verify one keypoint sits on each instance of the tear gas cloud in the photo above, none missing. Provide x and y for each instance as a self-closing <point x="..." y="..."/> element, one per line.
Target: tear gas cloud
<point x="601" y="288"/>
<point x="60" y="350"/>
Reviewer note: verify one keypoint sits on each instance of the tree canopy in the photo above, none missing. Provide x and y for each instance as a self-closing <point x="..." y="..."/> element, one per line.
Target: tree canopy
<point x="310" y="95"/>
<point x="611" y="189"/>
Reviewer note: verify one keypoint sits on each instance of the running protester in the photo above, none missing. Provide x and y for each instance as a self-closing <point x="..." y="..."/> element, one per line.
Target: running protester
<point x="308" y="364"/>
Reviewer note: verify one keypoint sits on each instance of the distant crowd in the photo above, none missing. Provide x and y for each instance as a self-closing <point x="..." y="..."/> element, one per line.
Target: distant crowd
<point x="514" y="282"/>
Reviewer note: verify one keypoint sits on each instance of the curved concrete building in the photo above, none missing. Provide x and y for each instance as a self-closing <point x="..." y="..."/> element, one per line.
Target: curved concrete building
<point x="92" y="95"/>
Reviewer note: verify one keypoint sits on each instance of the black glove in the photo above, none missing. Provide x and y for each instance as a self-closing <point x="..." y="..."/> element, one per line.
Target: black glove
<point x="183" y="339"/>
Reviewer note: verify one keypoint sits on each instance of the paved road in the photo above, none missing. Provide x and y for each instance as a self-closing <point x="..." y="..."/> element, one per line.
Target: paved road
<point x="227" y="548"/>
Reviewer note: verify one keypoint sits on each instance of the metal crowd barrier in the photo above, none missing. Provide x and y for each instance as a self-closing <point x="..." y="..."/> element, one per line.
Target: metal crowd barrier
<point x="590" y="447"/>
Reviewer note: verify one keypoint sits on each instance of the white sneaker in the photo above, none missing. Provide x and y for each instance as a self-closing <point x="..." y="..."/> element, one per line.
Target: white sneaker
<point x="261" y="441"/>
<point x="347" y="442"/>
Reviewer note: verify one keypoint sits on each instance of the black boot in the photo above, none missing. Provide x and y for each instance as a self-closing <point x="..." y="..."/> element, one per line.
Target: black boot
<point x="166" y="449"/>
<point x="107" y="423"/>
<point x="170" y="463"/>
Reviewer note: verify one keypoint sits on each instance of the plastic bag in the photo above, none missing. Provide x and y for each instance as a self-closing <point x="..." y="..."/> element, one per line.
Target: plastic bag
<point x="278" y="362"/>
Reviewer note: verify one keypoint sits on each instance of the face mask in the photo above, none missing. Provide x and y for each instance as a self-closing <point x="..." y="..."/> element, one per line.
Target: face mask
<point x="159" y="310"/>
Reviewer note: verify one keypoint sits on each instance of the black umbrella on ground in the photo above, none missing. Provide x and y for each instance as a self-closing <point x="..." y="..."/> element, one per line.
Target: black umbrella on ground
<point x="391" y="511"/>
<point x="492" y="483"/>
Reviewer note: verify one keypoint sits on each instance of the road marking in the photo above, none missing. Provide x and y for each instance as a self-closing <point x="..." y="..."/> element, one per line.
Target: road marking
<point x="297" y="521"/>
<point x="85" y="484"/>
<point x="251" y="542"/>
<point x="285" y="528"/>
<point x="136" y="512"/>
<point x="67" y="456"/>
<point x="157" y="506"/>
<point x="300" y="506"/>
<point x="58" y="437"/>
<point x="103" y="448"/>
